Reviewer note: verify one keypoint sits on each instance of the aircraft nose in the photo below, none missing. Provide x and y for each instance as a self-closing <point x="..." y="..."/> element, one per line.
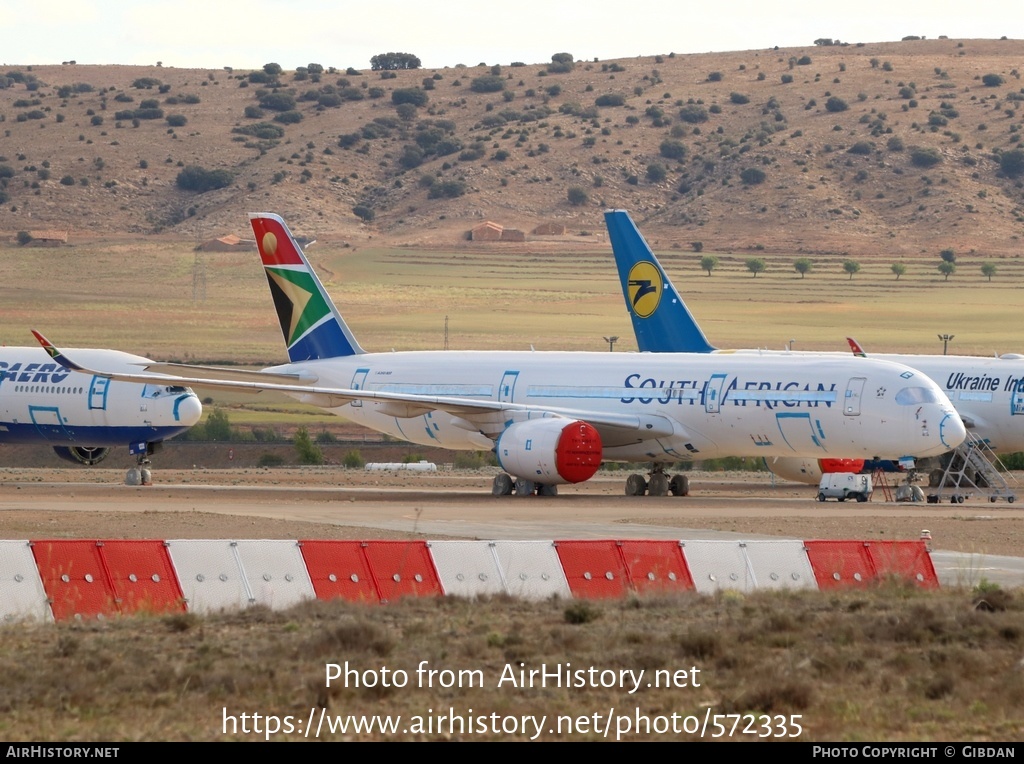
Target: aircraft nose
<point x="952" y="431"/>
<point x="188" y="409"/>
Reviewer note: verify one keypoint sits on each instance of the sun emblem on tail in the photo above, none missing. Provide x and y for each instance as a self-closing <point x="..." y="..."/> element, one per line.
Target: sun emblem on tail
<point x="270" y="244"/>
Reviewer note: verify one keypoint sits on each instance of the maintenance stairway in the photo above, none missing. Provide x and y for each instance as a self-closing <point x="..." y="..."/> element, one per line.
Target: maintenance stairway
<point x="973" y="469"/>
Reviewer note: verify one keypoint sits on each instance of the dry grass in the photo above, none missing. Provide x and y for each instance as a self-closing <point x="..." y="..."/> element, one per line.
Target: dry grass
<point x="881" y="665"/>
<point x="399" y="299"/>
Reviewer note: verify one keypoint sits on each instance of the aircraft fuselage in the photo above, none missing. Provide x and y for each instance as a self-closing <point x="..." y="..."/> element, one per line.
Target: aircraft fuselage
<point x="42" y="402"/>
<point x="685" y="406"/>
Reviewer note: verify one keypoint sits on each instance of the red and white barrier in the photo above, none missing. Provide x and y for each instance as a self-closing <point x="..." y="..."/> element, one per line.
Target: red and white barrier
<point x="62" y="579"/>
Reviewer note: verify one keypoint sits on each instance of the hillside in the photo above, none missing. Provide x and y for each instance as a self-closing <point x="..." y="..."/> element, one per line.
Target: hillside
<point x="890" y="148"/>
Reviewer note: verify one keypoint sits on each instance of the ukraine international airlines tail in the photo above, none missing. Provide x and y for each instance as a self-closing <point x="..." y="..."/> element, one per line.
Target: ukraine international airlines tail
<point x="988" y="393"/>
<point x="553" y="417"/>
<point x="84" y="415"/>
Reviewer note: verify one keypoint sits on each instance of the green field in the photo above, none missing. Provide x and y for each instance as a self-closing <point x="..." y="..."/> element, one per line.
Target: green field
<point x="164" y="301"/>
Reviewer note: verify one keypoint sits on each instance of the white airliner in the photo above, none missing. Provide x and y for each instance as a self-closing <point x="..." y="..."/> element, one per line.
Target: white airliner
<point x="82" y="415"/>
<point x="553" y="417"/>
<point x="988" y="393"/>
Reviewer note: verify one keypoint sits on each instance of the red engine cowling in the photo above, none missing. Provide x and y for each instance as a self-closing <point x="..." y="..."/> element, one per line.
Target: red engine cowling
<point x="809" y="470"/>
<point x="841" y="465"/>
<point x="550" y="451"/>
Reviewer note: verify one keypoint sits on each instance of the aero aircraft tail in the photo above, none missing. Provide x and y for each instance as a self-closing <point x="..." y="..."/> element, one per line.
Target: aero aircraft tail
<point x="311" y="325"/>
<point x="661" y="321"/>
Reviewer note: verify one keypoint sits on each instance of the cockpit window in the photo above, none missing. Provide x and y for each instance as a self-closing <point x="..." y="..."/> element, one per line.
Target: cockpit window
<point x="915" y="396"/>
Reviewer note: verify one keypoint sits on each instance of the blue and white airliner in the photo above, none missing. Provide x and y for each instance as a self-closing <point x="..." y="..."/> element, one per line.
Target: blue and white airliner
<point x="988" y="393"/>
<point x="83" y="416"/>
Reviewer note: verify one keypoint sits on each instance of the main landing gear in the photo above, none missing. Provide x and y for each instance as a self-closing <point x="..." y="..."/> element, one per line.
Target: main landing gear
<point x="506" y="485"/>
<point x="659" y="484"/>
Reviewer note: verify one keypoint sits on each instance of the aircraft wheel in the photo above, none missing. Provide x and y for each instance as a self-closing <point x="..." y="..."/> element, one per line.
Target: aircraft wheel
<point x="658" y="485"/>
<point x="959" y="499"/>
<point x="679" y="485"/>
<point x="134" y="476"/>
<point x="502" y="485"/>
<point x="547" y="490"/>
<point x="525" y="487"/>
<point x="821" y="497"/>
<point x="932" y="499"/>
<point x="992" y="499"/>
<point x="1010" y="499"/>
<point x="840" y="498"/>
<point x="146" y="475"/>
<point x="636" y="485"/>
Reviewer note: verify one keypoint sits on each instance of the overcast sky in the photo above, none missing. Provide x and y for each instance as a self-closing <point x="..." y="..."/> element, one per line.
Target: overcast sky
<point x="343" y="33"/>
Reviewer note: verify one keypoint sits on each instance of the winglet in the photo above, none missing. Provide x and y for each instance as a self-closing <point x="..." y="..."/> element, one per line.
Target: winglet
<point x="55" y="354"/>
<point x="856" y="348"/>
<point x="312" y="326"/>
<point x="661" y="321"/>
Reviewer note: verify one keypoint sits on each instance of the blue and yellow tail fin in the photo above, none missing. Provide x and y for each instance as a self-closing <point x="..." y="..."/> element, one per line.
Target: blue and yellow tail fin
<point x="661" y="321"/>
<point x="311" y="325"/>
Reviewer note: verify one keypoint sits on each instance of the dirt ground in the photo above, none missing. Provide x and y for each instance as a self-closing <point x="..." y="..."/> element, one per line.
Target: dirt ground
<point x="336" y="503"/>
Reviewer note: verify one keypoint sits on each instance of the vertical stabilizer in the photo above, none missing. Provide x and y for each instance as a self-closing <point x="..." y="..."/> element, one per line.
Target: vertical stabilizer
<point x="311" y="325"/>
<point x="661" y="321"/>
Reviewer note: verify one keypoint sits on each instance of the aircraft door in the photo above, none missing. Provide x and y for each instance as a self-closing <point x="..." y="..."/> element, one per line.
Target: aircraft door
<point x="854" y="392"/>
<point x="713" y="394"/>
<point x="49" y="423"/>
<point x="507" y="390"/>
<point x="358" y="383"/>
<point x="800" y="433"/>
<point x="1016" y="402"/>
<point x="98" y="393"/>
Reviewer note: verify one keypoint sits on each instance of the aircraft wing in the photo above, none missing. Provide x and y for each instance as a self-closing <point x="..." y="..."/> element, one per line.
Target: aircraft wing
<point x="490" y="416"/>
<point x="227" y="374"/>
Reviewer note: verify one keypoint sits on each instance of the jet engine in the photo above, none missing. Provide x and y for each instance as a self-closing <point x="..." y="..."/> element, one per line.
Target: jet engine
<point x="550" y="451"/>
<point x="87" y="455"/>
<point x="810" y="470"/>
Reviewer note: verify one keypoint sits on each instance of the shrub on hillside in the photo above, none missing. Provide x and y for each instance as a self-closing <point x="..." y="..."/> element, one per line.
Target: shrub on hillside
<point x="198" y="179"/>
<point x="415" y="96"/>
<point x="693" y="114"/>
<point x="288" y="117"/>
<point x="672" y="149"/>
<point x="924" y="157"/>
<point x="752" y="176"/>
<point x="278" y="101"/>
<point x="577" y="196"/>
<point x="836" y="104"/>
<point x="1012" y="162"/>
<point x="489" y="83"/>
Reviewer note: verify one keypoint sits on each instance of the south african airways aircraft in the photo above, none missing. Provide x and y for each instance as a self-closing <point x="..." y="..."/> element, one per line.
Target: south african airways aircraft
<point x="553" y="417"/>
<point x="83" y="416"/>
<point x="988" y="393"/>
